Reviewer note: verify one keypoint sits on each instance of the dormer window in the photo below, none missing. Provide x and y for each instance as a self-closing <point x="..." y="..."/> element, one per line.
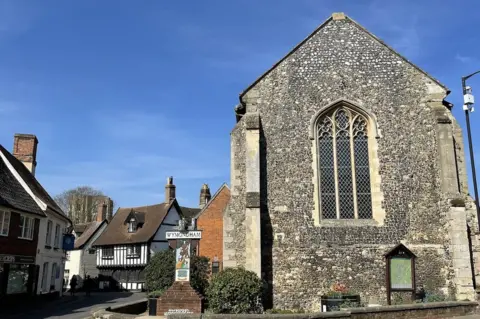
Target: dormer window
<point x="132" y="225"/>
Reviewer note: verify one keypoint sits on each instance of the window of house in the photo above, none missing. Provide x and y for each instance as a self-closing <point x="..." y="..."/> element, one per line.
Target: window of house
<point x="132" y="225"/>
<point x="134" y="251"/>
<point x="215" y="267"/>
<point x="4" y="222"/>
<point x="26" y="227"/>
<point x="48" y="239"/>
<point x="17" y="279"/>
<point x="343" y="165"/>
<point x="107" y="253"/>
<point x="57" y="236"/>
<point x="44" y="277"/>
<point x="53" y="276"/>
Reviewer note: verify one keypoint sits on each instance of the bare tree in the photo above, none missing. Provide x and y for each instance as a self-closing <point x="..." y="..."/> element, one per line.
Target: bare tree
<point x="81" y="203"/>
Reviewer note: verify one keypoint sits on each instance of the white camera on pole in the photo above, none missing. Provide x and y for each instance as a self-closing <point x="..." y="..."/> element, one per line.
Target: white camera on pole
<point x="468" y="99"/>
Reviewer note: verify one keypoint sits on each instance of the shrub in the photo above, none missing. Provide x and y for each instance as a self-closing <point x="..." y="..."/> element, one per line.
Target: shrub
<point x="235" y="290"/>
<point x="160" y="272"/>
<point x="200" y="273"/>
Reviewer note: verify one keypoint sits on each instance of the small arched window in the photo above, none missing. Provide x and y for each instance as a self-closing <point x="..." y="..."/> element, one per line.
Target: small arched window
<point x="344" y="165"/>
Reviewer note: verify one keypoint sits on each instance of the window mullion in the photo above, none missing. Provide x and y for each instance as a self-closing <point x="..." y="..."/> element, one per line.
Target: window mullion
<point x="335" y="165"/>
<point x="354" y="176"/>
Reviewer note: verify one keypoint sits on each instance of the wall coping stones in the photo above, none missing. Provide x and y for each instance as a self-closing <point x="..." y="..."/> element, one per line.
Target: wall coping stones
<point x="415" y="306"/>
<point x="350" y="313"/>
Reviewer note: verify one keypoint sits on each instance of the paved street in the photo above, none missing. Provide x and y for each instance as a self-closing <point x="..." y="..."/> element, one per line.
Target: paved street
<point x="78" y="307"/>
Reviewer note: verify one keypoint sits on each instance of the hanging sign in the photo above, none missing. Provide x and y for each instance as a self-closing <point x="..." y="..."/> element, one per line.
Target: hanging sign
<point x="68" y="242"/>
<point x="182" y="260"/>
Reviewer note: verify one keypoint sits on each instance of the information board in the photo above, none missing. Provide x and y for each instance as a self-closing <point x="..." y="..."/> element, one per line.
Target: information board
<point x="401" y="273"/>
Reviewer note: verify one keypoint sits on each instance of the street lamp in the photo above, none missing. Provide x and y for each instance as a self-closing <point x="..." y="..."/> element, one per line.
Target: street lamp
<point x="468" y="102"/>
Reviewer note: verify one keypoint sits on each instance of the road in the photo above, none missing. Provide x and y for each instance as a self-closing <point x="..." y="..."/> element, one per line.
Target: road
<point x="77" y="307"/>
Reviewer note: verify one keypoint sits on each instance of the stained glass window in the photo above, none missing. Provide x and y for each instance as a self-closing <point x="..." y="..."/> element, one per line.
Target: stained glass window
<point x="343" y="161"/>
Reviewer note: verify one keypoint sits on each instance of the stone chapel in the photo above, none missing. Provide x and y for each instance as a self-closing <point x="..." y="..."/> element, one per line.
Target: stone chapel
<point x="342" y="151"/>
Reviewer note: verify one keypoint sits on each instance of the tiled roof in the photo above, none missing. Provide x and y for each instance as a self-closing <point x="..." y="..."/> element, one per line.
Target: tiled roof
<point x="80" y="228"/>
<point x="32" y="182"/>
<point x="117" y="229"/>
<point x="12" y="193"/>
<point x="189" y="212"/>
<point x="89" y="230"/>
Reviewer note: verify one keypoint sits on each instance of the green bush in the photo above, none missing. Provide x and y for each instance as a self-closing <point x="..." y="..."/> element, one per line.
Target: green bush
<point x="235" y="290"/>
<point x="200" y="274"/>
<point x="160" y="272"/>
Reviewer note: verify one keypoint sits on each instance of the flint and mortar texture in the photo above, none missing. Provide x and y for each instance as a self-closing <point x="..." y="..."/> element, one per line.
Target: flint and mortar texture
<point x="343" y="61"/>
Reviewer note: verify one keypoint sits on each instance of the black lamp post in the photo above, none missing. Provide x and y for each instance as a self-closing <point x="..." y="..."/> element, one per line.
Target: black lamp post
<point x="468" y="102"/>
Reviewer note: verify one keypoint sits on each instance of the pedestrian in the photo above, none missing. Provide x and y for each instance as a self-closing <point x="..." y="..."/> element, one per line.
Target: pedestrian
<point x="73" y="285"/>
<point x="88" y="285"/>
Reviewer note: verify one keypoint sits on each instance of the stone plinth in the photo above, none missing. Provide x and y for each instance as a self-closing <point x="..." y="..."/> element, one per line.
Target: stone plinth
<point x="180" y="298"/>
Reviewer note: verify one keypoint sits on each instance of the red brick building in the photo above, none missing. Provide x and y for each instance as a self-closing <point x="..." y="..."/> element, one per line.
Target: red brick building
<point x="210" y="221"/>
<point x="19" y="228"/>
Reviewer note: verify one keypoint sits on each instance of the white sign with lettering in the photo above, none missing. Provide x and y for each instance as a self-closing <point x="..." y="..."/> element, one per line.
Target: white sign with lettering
<point x="172" y="311"/>
<point x="197" y="234"/>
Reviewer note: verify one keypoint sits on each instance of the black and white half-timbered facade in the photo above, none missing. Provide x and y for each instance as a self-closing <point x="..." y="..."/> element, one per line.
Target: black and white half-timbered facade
<point x="132" y="237"/>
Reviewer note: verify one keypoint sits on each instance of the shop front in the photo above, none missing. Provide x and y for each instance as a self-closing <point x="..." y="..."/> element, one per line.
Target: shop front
<point x="17" y="277"/>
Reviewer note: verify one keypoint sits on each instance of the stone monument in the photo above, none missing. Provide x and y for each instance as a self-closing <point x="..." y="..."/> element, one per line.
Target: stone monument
<point x="181" y="297"/>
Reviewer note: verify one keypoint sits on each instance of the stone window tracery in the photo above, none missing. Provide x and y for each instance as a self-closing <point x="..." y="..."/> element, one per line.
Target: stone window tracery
<point x="343" y="165"/>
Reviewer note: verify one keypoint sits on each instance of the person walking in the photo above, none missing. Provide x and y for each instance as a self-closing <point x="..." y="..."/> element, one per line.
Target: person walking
<point x="88" y="285"/>
<point x="73" y="285"/>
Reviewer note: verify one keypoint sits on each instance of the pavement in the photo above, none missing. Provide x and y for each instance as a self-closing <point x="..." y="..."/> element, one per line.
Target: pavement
<point x="76" y="307"/>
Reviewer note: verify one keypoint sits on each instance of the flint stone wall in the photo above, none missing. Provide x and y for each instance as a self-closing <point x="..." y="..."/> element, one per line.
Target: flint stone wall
<point x="343" y="61"/>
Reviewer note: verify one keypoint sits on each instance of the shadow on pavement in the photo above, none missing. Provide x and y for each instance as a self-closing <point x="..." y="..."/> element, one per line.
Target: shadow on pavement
<point x="70" y="306"/>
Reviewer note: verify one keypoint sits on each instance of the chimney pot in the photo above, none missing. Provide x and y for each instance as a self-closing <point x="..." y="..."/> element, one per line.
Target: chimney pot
<point x="101" y="212"/>
<point x="25" y="150"/>
<point x="204" y="195"/>
<point x="169" y="190"/>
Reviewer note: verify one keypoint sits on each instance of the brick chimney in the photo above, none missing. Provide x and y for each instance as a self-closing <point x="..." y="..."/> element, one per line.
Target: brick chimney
<point x="204" y="195"/>
<point x="169" y="190"/>
<point x="101" y="212"/>
<point x="25" y="150"/>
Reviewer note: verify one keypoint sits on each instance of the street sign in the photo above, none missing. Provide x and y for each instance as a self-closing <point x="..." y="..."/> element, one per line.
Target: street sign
<point x="197" y="234"/>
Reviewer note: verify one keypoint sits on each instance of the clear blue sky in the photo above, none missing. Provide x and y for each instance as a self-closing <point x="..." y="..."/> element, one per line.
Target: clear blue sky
<point x="122" y="94"/>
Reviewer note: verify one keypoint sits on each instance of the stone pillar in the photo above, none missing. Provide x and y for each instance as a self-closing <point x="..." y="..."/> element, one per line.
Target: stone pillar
<point x="460" y="251"/>
<point x="253" y="238"/>
<point x="448" y="166"/>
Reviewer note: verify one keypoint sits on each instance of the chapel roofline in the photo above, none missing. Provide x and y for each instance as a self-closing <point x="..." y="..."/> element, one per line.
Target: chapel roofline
<point x="337" y="16"/>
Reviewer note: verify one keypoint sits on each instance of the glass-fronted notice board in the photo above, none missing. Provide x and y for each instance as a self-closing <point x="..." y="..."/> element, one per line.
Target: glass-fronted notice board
<point x="401" y="272"/>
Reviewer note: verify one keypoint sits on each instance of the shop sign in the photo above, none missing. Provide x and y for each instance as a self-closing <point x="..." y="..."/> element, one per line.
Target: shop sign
<point x="17" y="259"/>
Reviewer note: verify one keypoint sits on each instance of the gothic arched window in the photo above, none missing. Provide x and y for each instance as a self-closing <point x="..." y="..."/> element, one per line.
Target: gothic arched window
<point x="343" y="165"/>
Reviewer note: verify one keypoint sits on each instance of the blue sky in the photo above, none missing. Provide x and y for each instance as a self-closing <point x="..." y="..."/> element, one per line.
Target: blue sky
<point x="122" y="94"/>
